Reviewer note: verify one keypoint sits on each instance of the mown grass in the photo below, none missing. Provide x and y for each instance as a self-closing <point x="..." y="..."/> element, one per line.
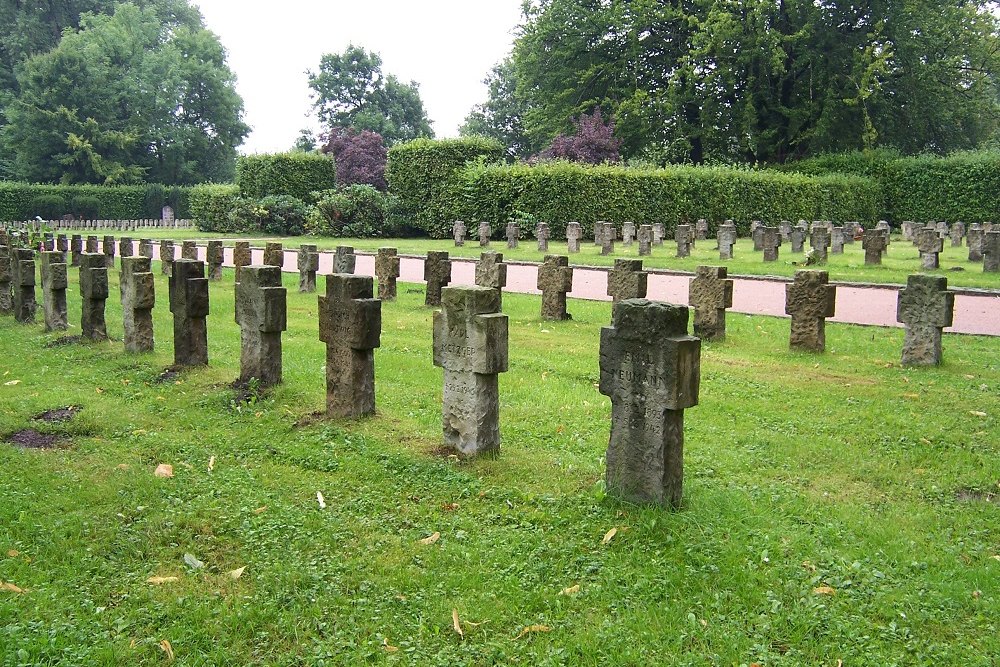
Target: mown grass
<point x="901" y="260"/>
<point x="840" y="470"/>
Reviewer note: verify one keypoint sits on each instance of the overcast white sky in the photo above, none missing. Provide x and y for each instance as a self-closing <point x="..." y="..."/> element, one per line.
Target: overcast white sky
<point x="446" y="46"/>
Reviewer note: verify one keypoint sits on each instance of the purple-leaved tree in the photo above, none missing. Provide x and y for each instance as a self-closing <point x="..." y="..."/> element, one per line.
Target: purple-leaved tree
<point x="593" y="143"/>
<point x="360" y="156"/>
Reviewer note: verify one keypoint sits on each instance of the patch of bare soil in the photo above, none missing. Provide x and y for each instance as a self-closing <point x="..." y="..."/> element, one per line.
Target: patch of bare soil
<point x="58" y="414"/>
<point x="29" y="438"/>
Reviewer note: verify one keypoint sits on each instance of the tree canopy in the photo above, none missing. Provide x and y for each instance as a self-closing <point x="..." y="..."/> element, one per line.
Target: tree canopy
<point x="350" y="91"/>
<point x="758" y="81"/>
<point x="142" y="94"/>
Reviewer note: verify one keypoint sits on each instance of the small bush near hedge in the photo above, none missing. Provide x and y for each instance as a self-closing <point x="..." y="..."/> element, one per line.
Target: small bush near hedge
<point x="558" y="192"/>
<point x="357" y="211"/>
<point x="422" y="174"/>
<point x="283" y="215"/>
<point x="291" y="174"/>
<point x="211" y="208"/>
<point x="23" y="201"/>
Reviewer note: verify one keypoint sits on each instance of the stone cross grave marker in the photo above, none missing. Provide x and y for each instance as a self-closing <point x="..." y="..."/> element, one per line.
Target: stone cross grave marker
<point x="350" y="323"/>
<point x="189" y="305"/>
<point x="599" y="228"/>
<point x="308" y="265"/>
<point x="837" y="241"/>
<point x="627" y="280"/>
<point x="23" y="280"/>
<point x="810" y="299"/>
<point x="991" y="252"/>
<point x="344" y="259"/>
<point x="261" y="313"/>
<point x="819" y="239"/>
<point x="957" y="233"/>
<point x="437" y="274"/>
<point x="242" y="256"/>
<point x="942" y="229"/>
<point x="513" y="232"/>
<point x="701" y="229"/>
<point x="93" y="245"/>
<point x="573" y="235"/>
<point x="491" y="272"/>
<point x="48" y="242"/>
<point x="214" y="257"/>
<point x="650" y="368"/>
<point x="797" y="237"/>
<point x="974" y="239"/>
<point x="770" y="241"/>
<point x="924" y="306"/>
<point x="93" y="294"/>
<point x="54" y="284"/>
<point x="907" y="227"/>
<point x="645" y="240"/>
<point x="470" y="344"/>
<point x="710" y="293"/>
<point x="109" y="251"/>
<point x="458" y="231"/>
<point x="138" y="293"/>
<point x="628" y="233"/>
<point x="555" y="279"/>
<point x="124" y="247"/>
<point x="189" y="250"/>
<point x="682" y="235"/>
<point x="167" y="215"/>
<point x="166" y="257"/>
<point x="387" y="271"/>
<point x="757" y="234"/>
<point x="608" y="239"/>
<point x="146" y="248"/>
<point x="874" y="245"/>
<point x="785" y="228"/>
<point x="930" y="245"/>
<point x="657" y="233"/>
<point x="6" y="278"/>
<point x="542" y="234"/>
<point x="274" y="255"/>
<point x="726" y="235"/>
<point x="484" y="234"/>
<point x="75" y="249"/>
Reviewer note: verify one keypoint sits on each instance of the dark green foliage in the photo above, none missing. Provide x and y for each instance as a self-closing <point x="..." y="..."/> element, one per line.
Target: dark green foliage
<point x="357" y="211"/>
<point x="23" y="201"/>
<point x="283" y="215"/>
<point x="561" y="192"/>
<point x="211" y="206"/>
<point x="294" y="174"/>
<point x="422" y="174"/>
<point x="962" y="186"/>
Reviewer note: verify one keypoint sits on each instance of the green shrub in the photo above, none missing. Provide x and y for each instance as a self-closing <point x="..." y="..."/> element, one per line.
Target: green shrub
<point x="423" y="174"/>
<point x="50" y="207"/>
<point x="355" y="211"/>
<point x="86" y="207"/>
<point x="283" y="215"/>
<point x="560" y="192"/>
<point x="291" y="174"/>
<point x="211" y="206"/>
<point x="23" y="201"/>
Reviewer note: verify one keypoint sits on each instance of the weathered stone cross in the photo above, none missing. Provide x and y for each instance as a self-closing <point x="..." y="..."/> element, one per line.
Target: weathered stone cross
<point x="925" y="306"/>
<point x="555" y="279"/>
<point x="710" y="293"/>
<point x="261" y="312"/>
<point x="350" y="323"/>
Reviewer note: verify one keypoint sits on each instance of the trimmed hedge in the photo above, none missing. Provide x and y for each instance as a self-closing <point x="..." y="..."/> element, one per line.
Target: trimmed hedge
<point x="291" y="174"/>
<point x="422" y="174"/>
<point x="962" y="186"/>
<point x="23" y="201"/>
<point x="211" y="207"/>
<point x="559" y="192"/>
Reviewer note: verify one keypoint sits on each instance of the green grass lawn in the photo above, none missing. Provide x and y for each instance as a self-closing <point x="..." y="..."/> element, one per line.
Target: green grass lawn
<point x="837" y="506"/>
<point x="902" y="259"/>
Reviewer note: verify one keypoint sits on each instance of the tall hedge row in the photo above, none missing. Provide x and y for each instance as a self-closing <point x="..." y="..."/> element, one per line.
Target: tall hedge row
<point x="962" y="186"/>
<point x="422" y="174"/>
<point x="293" y="174"/>
<point x="560" y="192"/>
<point x="24" y="201"/>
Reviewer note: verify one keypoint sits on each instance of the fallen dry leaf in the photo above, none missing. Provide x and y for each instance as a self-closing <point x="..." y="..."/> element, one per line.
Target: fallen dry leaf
<point x="13" y="553"/>
<point x="168" y="649"/>
<point x="824" y="590"/>
<point x="911" y="395"/>
<point x="260" y="510"/>
<point x="432" y="539"/>
<point x="6" y="586"/>
<point x="164" y="470"/>
<point x="98" y="390"/>
<point x="809" y="566"/>
<point x="610" y="535"/>
<point x="449" y="507"/>
<point x="211" y="464"/>
<point x="159" y="581"/>
<point x="237" y="573"/>
<point x="572" y="590"/>
<point x="532" y="629"/>
<point x="997" y="557"/>
<point x="457" y="624"/>
<point x="122" y="466"/>
<point x="977" y="413"/>
<point x="977" y="594"/>
<point x="321" y="500"/>
<point x="11" y="383"/>
<point x="387" y="646"/>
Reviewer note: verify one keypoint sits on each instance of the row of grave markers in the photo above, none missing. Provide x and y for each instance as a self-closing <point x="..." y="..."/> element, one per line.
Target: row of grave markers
<point x="39" y="226"/>
<point x="649" y="365"/>
<point x="824" y="238"/>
